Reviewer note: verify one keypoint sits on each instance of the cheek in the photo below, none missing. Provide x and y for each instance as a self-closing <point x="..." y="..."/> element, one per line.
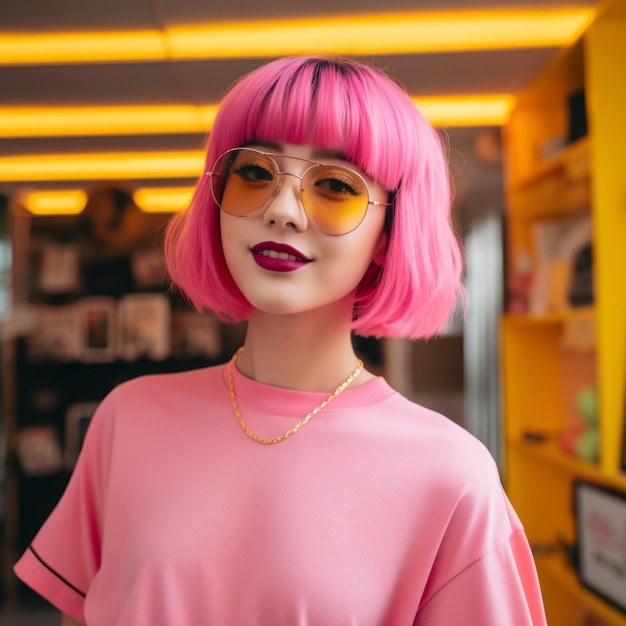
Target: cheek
<point x="355" y="254"/>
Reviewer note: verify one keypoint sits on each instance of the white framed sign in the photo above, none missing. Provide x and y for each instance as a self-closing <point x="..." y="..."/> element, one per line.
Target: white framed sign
<point x="601" y="530"/>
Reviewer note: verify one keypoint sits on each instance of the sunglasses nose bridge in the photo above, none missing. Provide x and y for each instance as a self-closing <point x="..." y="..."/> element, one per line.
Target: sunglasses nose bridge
<point x="279" y="184"/>
<point x="290" y="174"/>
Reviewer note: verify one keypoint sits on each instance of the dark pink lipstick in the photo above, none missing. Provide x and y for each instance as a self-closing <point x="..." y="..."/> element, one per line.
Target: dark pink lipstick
<point x="278" y="257"/>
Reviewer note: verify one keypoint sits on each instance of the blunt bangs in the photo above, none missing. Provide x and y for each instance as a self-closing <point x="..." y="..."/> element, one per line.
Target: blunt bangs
<point x="325" y="102"/>
<point x="336" y="104"/>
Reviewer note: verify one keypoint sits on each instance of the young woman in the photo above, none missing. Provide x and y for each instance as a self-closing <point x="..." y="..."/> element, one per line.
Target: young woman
<point x="291" y="486"/>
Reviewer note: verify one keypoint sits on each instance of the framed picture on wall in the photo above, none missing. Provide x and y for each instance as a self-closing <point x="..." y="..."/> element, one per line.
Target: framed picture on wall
<point x="601" y="534"/>
<point x="195" y="335"/>
<point x="59" y="270"/>
<point x="144" y="326"/>
<point x="97" y="326"/>
<point x="38" y="450"/>
<point x="56" y="336"/>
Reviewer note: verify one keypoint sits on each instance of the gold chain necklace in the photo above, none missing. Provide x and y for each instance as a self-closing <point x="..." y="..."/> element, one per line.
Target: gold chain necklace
<point x="299" y="425"/>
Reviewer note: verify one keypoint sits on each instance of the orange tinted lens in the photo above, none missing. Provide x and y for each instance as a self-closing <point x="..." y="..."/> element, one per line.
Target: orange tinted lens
<point x="335" y="198"/>
<point x="243" y="181"/>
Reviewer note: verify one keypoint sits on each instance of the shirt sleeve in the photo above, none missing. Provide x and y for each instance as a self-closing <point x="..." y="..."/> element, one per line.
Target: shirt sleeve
<point x="500" y="588"/>
<point x="483" y="571"/>
<point x="64" y="556"/>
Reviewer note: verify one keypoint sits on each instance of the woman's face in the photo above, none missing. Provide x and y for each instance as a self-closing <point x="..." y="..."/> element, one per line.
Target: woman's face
<point x="280" y="260"/>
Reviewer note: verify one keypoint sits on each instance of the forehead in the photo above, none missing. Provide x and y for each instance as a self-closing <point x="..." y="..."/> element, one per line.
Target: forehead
<point x="303" y="151"/>
<point x="283" y="152"/>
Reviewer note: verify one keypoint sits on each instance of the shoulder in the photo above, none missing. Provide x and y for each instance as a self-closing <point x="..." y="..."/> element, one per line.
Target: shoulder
<point x="447" y="447"/>
<point x="177" y="384"/>
<point x="457" y="469"/>
<point x="447" y="478"/>
<point x="152" y="400"/>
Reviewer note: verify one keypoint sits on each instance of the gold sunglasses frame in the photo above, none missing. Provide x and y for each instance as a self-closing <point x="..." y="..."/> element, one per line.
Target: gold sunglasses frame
<point x="271" y="156"/>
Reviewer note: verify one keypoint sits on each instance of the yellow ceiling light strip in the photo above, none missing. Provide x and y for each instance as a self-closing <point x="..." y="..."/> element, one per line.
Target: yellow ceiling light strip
<point x="105" y="120"/>
<point x="379" y="33"/>
<point x="156" y="119"/>
<point x="73" y="201"/>
<point x="80" y="47"/>
<point x="384" y="33"/>
<point x="162" y="199"/>
<point x="55" y="202"/>
<point x="479" y="110"/>
<point x="105" y="166"/>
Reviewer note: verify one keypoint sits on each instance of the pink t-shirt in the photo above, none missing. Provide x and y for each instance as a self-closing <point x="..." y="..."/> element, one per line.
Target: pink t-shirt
<point x="378" y="512"/>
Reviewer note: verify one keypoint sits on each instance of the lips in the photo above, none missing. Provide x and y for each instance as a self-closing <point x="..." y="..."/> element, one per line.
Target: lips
<point x="278" y="257"/>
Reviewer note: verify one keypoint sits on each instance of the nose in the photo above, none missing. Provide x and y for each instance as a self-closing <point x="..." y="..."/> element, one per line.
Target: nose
<point x="285" y="209"/>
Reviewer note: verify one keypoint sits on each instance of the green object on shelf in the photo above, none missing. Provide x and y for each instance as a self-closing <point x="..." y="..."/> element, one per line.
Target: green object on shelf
<point x="586" y="446"/>
<point x="587" y="404"/>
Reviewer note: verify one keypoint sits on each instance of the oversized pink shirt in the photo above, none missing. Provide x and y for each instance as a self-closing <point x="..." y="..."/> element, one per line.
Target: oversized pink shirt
<point x="378" y="512"/>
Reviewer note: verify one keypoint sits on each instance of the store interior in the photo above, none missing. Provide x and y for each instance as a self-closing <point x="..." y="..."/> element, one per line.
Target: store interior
<point x="105" y="109"/>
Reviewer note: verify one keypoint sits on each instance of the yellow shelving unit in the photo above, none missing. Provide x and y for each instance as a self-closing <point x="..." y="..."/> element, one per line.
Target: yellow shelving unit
<point x="540" y="373"/>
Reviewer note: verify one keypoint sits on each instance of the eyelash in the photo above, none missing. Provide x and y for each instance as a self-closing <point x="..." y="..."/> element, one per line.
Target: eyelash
<point x="250" y="167"/>
<point x="344" y="181"/>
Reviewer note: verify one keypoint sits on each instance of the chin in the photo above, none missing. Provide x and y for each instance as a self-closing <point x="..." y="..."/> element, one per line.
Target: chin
<point x="336" y="308"/>
<point x="278" y="307"/>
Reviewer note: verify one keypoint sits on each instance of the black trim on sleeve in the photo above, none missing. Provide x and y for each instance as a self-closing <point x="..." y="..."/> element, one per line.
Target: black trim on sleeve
<point x="52" y="571"/>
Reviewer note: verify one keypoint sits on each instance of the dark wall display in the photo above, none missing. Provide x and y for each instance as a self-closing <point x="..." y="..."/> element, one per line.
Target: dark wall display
<point x="98" y="311"/>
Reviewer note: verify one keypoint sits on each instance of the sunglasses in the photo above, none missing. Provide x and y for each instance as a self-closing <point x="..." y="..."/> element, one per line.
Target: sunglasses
<point x="335" y="197"/>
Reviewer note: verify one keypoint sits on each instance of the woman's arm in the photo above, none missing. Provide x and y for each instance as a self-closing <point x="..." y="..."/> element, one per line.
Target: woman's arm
<point x="66" y="620"/>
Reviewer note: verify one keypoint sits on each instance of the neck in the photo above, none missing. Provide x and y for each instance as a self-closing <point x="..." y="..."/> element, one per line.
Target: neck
<point x="309" y="351"/>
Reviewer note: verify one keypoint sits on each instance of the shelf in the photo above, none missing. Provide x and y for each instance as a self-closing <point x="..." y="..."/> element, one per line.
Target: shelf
<point x="522" y="320"/>
<point x="554" y="567"/>
<point x="548" y="359"/>
<point x="572" y="163"/>
<point x="550" y="453"/>
<point x="557" y="189"/>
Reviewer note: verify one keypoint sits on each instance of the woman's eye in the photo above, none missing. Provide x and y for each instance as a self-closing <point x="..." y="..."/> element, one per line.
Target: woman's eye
<point x="253" y="172"/>
<point x="336" y="185"/>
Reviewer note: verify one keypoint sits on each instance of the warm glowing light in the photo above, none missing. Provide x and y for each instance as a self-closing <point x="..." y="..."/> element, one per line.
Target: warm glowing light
<point x="382" y="33"/>
<point x="162" y="199"/>
<point x="73" y="201"/>
<point x="55" y="202"/>
<point x="385" y="33"/>
<point x="466" y="110"/>
<point x="80" y="47"/>
<point x="101" y="166"/>
<point x="105" y="120"/>
<point x="155" y="119"/>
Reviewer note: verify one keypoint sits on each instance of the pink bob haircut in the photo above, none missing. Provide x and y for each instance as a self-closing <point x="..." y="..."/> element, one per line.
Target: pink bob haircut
<point x="414" y="288"/>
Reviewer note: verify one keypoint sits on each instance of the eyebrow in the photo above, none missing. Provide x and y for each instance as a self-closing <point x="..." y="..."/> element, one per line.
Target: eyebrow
<point x="268" y="145"/>
<point x="331" y="154"/>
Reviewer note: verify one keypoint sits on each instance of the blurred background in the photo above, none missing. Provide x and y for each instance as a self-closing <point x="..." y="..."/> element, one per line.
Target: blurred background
<point x="105" y="109"/>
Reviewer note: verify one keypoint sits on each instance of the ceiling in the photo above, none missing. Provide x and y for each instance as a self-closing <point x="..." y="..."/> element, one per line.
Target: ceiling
<point x="200" y="82"/>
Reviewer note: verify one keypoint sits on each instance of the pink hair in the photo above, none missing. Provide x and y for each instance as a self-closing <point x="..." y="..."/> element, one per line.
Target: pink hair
<point x="410" y="292"/>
